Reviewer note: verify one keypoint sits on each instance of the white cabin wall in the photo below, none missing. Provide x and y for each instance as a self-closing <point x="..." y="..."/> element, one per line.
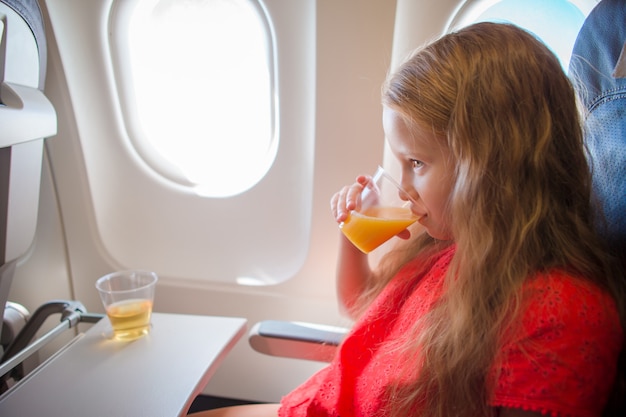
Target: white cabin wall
<point x="354" y="51"/>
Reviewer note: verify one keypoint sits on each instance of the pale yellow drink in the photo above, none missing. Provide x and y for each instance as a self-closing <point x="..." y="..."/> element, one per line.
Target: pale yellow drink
<point x="371" y="228"/>
<point x="130" y="319"/>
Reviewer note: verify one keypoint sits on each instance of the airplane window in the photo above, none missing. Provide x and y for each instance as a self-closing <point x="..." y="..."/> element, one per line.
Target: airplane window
<point x="185" y="135"/>
<point x="555" y="22"/>
<point x="202" y="101"/>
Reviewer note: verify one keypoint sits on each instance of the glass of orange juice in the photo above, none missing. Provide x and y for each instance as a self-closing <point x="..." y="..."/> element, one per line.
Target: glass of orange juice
<point x="383" y="212"/>
<point x="127" y="297"/>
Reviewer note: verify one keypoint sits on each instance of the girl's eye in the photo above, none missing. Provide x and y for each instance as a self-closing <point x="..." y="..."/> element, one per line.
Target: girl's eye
<point x="416" y="164"/>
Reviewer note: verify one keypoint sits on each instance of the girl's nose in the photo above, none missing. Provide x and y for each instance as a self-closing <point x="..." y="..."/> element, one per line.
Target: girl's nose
<point x="406" y="196"/>
<point x="407" y="188"/>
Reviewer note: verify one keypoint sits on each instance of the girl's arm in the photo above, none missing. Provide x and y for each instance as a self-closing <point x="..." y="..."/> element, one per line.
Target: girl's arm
<point x="353" y="270"/>
<point x="353" y="274"/>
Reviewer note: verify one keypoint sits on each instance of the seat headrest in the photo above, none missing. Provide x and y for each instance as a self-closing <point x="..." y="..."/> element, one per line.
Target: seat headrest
<point x="30" y="12"/>
<point x="597" y="71"/>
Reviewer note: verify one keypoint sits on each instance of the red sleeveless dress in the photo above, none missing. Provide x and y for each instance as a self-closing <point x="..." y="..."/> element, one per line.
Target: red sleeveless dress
<point x="562" y="362"/>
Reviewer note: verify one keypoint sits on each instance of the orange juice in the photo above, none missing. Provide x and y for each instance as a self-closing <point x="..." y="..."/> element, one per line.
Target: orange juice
<point x="130" y="319"/>
<point x="373" y="227"/>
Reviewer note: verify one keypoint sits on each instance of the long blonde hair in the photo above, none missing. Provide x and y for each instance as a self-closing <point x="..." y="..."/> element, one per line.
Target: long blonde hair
<point x="521" y="202"/>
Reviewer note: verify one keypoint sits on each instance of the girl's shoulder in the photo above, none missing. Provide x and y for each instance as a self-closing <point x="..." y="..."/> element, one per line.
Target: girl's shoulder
<point x="562" y="359"/>
<point x="558" y="299"/>
<point x="558" y="286"/>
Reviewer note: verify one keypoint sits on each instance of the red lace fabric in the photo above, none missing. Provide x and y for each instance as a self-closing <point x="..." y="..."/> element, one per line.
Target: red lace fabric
<point x="561" y="362"/>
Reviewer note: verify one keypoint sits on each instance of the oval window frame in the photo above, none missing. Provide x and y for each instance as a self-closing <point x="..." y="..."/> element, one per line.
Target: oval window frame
<point x="470" y="11"/>
<point x="165" y="170"/>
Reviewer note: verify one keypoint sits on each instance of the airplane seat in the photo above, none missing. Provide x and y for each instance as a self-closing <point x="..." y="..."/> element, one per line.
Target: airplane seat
<point x="598" y="69"/>
<point x="296" y="340"/>
<point x="21" y="147"/>
<point x="26" y="117"/>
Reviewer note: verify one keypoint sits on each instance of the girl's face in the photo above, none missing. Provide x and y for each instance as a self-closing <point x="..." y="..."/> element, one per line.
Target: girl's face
<point x="427" y="172"/>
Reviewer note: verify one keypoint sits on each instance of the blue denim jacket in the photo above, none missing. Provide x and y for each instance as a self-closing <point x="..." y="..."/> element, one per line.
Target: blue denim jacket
<point x="598" y="70"/>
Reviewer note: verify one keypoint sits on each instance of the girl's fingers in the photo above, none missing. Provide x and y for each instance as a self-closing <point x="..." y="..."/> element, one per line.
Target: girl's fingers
<point x="354" y="193"/>
<point x="338" y="205"/>
<point x="347" y="199"/>
<point x="405" y="234"/>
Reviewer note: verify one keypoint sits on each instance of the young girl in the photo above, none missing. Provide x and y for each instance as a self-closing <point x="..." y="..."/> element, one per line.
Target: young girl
<point x="503" y="302"/>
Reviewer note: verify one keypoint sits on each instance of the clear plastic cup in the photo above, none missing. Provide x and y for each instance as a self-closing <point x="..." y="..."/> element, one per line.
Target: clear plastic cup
<point x="383" y="212"/>
<point x="127" y="297"/>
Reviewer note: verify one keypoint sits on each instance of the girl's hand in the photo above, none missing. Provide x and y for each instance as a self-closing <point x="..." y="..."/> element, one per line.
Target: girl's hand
<point x="348" y="198"/>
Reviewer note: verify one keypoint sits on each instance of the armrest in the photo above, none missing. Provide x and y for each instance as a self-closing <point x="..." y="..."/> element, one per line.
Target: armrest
<point x="296" y="339"/>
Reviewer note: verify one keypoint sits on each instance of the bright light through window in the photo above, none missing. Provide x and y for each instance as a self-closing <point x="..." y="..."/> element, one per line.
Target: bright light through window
<point x="202" y="74"/>
<point x="555" y="22"/>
